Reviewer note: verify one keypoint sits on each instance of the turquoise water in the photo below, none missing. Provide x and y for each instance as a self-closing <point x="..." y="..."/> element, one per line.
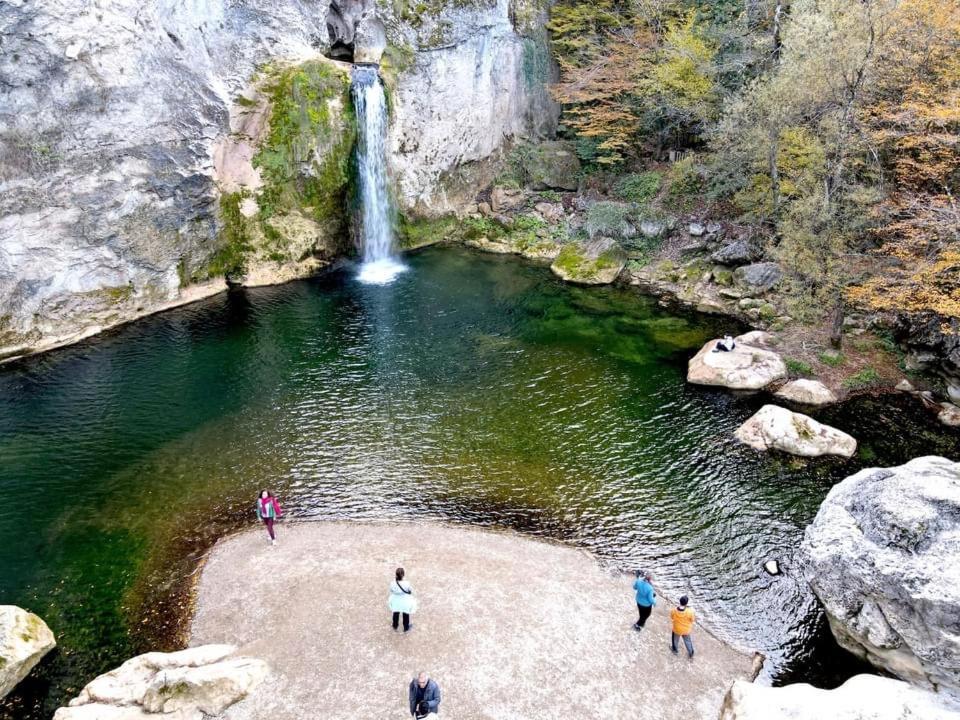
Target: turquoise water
<point x="475" y="389"/>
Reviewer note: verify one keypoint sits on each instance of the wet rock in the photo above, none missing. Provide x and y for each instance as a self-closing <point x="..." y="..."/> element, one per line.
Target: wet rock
<point x="594" y="262"/>
<point x="191" y="683"/>
<point x="369" y="40"/>
<point x="882" y="555"/>
<point x="807" y="392"/>
<point x="759" y="277"/>
<point x="749" y="366"/>
<point x="862" y="697"/>
<point x="24" y="640"/>
<point x="738" y="252"/>
<point x="552" y="165"/>
<point x="776" y="428"/>
<point x="949" y="415"/>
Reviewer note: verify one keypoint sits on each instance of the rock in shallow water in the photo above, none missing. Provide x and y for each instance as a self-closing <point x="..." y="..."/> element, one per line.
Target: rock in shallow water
<point x="594" y="262"/>
<point x="862" y="697"/>
<point x="883" y="556"/>
<point x="24" y="640"/>
<point x="749" y="366"/>
<point x="776" y="428"/>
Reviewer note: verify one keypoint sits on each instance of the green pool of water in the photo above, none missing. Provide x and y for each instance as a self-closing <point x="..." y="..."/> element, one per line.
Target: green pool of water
<point x="474" y="389"/>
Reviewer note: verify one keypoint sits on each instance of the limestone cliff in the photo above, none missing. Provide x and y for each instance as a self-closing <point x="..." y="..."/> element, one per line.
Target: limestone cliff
<point x="129" y="133"/>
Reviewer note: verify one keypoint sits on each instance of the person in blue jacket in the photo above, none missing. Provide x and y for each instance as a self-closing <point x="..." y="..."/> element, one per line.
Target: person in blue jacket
<point x="424" y="696"/>
<point x="646" y="598"/>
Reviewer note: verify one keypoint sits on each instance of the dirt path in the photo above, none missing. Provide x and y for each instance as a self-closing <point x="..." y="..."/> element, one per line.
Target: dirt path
<point x="511" y="628"/>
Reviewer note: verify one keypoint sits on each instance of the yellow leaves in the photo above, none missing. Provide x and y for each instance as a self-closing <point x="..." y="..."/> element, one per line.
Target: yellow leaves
<point x="683" y="72"/>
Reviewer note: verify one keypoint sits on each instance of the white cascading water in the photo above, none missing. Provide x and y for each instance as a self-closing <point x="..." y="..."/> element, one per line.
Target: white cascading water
<point x="380" y="265"/>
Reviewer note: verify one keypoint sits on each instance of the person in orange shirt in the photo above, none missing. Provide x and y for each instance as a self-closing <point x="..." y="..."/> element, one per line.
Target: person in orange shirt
<point x="682" y="618"/>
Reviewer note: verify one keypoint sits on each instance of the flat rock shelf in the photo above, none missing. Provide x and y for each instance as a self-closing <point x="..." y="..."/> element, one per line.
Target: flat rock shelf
<point x="510" y="627"/>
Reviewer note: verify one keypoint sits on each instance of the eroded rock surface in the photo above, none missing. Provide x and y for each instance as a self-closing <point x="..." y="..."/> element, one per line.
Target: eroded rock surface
<point x="862" y="697"/>
<point x="192" y="683"/>
<point x="590" y="262"/>
<point x="24" y="640"/>
<point x="751" y="365"/>
<point x="776" y="428"/>
<point x="883" y="556"/>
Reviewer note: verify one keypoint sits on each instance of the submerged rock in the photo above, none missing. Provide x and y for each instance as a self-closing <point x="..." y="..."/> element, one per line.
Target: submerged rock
<point x="862" y="697"/>
<point x="593" y="262"/>
<point x="24" y="640"/>
<point x="807" y="392"/>
<point x="883" y="556"/>
<point x="776" y="428"/>
<point x="191" y="683"/>
<point x="749" y="366"/>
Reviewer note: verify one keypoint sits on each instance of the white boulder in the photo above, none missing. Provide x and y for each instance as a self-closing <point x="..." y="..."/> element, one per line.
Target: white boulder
<point x="883" y="556"/>
<point x="807" y="392"/>
<point x="776" y="428"/>
<point x="862" y="697"/>
<point x="24" y="640"/>
<point x="949" y="414"/>
<point x="188" y="684"/>
<point x="751" y="365"/>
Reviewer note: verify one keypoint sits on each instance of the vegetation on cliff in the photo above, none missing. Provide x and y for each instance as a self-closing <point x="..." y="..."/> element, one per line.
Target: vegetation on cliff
<point x="831" y="128"/>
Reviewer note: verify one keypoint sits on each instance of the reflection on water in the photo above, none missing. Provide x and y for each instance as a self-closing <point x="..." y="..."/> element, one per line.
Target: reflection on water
<point x="473" y="389"/>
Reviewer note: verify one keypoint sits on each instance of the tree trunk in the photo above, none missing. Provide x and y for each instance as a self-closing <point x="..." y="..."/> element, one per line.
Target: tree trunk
<point x="836" y="325"/>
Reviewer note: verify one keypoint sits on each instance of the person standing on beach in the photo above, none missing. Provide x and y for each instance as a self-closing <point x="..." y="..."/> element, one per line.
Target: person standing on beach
<point x="401" y="601"/>
<point x="682" y="618"/>
<point x="268" y="510"/>
<point x="424" y="696"/>
<point x="646" y="598"/>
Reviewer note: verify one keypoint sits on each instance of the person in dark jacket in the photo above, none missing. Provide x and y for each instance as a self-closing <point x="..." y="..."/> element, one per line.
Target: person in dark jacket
<point x="424" y="696"/>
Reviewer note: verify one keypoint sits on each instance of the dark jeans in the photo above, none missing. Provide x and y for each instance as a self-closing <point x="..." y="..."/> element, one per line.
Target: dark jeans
<point x="269" y="523"/>
<point x="645" y="611"/>
<point x="686" y="641"/>
<point x="406" y="621"/>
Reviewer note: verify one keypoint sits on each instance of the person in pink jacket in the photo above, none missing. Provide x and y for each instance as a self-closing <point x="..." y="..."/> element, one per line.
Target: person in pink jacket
<point x="268" y="510"/>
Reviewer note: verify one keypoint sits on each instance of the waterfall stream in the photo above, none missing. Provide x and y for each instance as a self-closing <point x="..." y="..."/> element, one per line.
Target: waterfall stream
<point x="380" y="264"/>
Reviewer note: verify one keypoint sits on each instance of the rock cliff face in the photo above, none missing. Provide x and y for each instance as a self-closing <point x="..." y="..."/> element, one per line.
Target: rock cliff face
<point x="112" y="116"/>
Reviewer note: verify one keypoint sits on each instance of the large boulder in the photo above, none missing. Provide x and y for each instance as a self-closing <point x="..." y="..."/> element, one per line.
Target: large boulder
<point x="593" y="262"/>
<point x="738" y="252"/>
<point x="749" y="366"/>
<point x="191" y="683"/>
<point x="776" y="428"/>
<point x="758" y="278"/>
<point x="883" y="556"/>
<point x="24" y="640"/>
<point x="552" y="164"/>
<point x="806" y="392"/>
<point x="862" y="697"/>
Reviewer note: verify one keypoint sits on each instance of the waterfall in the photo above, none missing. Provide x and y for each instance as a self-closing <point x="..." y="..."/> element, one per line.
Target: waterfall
<point x="380" y="265"/>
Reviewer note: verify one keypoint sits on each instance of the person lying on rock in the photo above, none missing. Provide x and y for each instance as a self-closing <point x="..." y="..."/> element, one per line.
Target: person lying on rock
<point x="726" y="344"/>
<point x="424" y="696"/>
<point x="646" y="598"/>
<point x="682" y="619"/>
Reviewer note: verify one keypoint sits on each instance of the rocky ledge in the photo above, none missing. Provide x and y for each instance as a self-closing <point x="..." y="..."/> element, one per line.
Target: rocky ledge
<point x="24" y="640"/>
<point x="883" y="556"/>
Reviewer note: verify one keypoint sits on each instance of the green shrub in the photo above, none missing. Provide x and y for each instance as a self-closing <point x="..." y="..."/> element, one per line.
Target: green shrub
<point x="865" y="378"/>
<point x="798" y="368"/>
<point x="608" y="219"/>
<point x="833" y="359"/>
<point x="684" y="182"/>
<point x="638" y="187"/>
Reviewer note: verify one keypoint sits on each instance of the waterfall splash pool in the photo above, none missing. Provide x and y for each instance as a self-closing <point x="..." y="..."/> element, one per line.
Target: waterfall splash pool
<point x="474" y="389"/>
<point x="380" y="263"/>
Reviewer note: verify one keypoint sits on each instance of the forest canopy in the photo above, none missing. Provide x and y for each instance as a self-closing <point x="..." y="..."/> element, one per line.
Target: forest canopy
<point x="831" y="126"/>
